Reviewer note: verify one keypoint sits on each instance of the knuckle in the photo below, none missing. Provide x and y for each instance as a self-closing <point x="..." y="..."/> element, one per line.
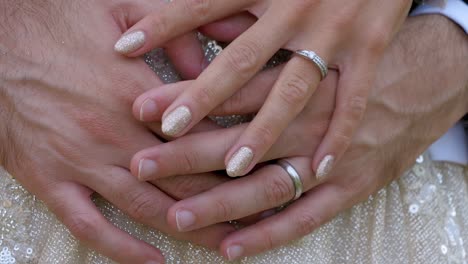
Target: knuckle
<point x="376" y="39"/>
<point x="353" y="111"/>
<point x="205" y="95"/>
<point x="223" y="210"/>
<point x="355" y="107"/>
<point x="243" y="59"/>
<point x="82" y="226"/>
<point x="142" y="206"/>
<point x="234" y="104"/>
<point x="295" y="90"/>
<point x="345" y="17"/>
<point x="159" y="25"/>
<point x="278" y="190"/>
<point x="262" y="135"/>
<point x="189" y="161"/>
<point x="267" y="238"/>
<point x="342" y="137"/>
<point x="184" y="186"/>
<point x="198" y="9"/>
<point x="306" y="224"/>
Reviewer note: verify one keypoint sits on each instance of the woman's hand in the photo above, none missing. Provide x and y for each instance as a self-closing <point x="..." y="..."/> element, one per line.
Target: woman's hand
<point x="350" y="36"/>
<point x="415" y="100"/>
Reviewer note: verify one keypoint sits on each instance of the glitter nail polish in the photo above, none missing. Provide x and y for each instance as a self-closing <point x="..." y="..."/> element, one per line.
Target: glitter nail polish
<point x="176" y="121"/>
<point x="130" y="42"/>
<point x="325" y="167"/>
<point x="239" y="162"/>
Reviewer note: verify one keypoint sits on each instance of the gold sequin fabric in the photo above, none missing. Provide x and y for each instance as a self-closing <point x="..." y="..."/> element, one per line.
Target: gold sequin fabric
<point x="420" y="218"/>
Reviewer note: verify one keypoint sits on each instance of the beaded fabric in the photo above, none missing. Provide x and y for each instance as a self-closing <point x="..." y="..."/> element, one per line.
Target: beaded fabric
<point x="419" y="218"/>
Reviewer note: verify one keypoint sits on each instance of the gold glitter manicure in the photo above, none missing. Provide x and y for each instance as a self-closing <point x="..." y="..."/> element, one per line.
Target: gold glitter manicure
<point x="239" y="162"/>
<point x="130" y="42"/>
<point x="176" y="121"/>
<point x="325" y="167"/>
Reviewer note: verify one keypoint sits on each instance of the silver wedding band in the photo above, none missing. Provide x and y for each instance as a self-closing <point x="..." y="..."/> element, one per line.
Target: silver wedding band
<point x="294" y="175"/>
<point x="313" y="57"/>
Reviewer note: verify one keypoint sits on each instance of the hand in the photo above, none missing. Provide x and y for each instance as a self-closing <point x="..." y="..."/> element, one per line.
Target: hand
<point x="415" y="100"/>
<point x="67" y="129"/>
<point x="351" y="37"/>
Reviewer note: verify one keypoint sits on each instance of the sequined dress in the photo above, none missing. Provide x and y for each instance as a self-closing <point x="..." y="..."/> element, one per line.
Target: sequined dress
<point x="420" y="218"/>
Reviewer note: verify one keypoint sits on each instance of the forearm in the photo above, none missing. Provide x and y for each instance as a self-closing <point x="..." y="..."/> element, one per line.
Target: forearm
<point x="421" y="88"/>
<point x="429" y="50"/>
<point x="447" y="43"/>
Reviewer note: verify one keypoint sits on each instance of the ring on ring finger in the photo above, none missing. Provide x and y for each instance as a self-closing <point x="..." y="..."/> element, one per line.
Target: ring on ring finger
<point x="316" y="59"/>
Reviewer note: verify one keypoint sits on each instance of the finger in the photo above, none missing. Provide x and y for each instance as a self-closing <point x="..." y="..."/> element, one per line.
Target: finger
<point x="185" y="186"/>
<point x="290" y="94"/>
<point x="203" y="126"/>
<point x="267" y="188"/>
<point x="194" y="153"/>
<point x="73" y="206"/>
<point x="299" y="219"/>
<point x="250" y="98"/>
<point x="186" y="53"/>
<point x="204" y="152"/>
<point x="352" y="93"/>
<point x="239" y="62"/>
<point x="161" y="26"/>
<point x="199" y="153"/>
<point x="228" y="29"/>
<point x="146" y="204"/>
<point x="149" y="106"/>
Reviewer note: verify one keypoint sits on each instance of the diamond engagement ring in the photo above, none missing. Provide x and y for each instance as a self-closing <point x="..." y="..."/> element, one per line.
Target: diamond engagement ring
<point x="294" y="175"/>
<point x="313" y="57"/>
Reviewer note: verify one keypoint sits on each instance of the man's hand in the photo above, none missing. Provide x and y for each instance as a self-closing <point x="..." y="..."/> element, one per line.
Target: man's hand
<point x="421" y="92"/>
<point x="67" y="129"/>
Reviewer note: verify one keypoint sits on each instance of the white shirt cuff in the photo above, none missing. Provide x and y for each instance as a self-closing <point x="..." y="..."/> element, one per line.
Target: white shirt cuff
<point x="452" y="147"/>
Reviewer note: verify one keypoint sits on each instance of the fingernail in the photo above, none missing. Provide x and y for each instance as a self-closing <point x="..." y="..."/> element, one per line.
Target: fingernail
<point x="130" y="42"/>
<point x="184" y="219"/>
<point x="146" y="169"/>
<point x="325" y="167"/>
<point x="235" y="252"/>
<point x="148" y="108"/>
<point x="239" y="162"/>
<point x="176" y="121"/>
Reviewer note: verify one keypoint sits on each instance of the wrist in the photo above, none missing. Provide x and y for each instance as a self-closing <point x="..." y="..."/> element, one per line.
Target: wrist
<point x="422" y="79"/>
<point x="442" y="48"/>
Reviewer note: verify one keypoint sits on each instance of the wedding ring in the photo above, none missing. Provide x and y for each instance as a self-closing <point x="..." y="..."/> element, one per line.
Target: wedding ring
<point x="294" y="175"/>
<point x="313" y="57"/>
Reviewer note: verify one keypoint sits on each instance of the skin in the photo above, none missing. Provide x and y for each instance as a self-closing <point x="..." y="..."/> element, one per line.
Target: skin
<point x="90" y="149"/>
<point x="67" y="129"/>
<point x="415" y="100"/>
<point x="339" y="34"/>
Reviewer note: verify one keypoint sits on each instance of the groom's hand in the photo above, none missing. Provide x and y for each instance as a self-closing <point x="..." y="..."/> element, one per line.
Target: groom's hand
<point x="66" y="125"/>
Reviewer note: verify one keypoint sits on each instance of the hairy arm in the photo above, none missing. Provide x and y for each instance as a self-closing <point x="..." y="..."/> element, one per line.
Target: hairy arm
<point x="67" y="126"/>
<point x="443" y="65"/>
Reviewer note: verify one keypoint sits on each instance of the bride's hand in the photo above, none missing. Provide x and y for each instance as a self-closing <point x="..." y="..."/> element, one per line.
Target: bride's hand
<point x="351" y="36"/>
<point x="399" y="125"/>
